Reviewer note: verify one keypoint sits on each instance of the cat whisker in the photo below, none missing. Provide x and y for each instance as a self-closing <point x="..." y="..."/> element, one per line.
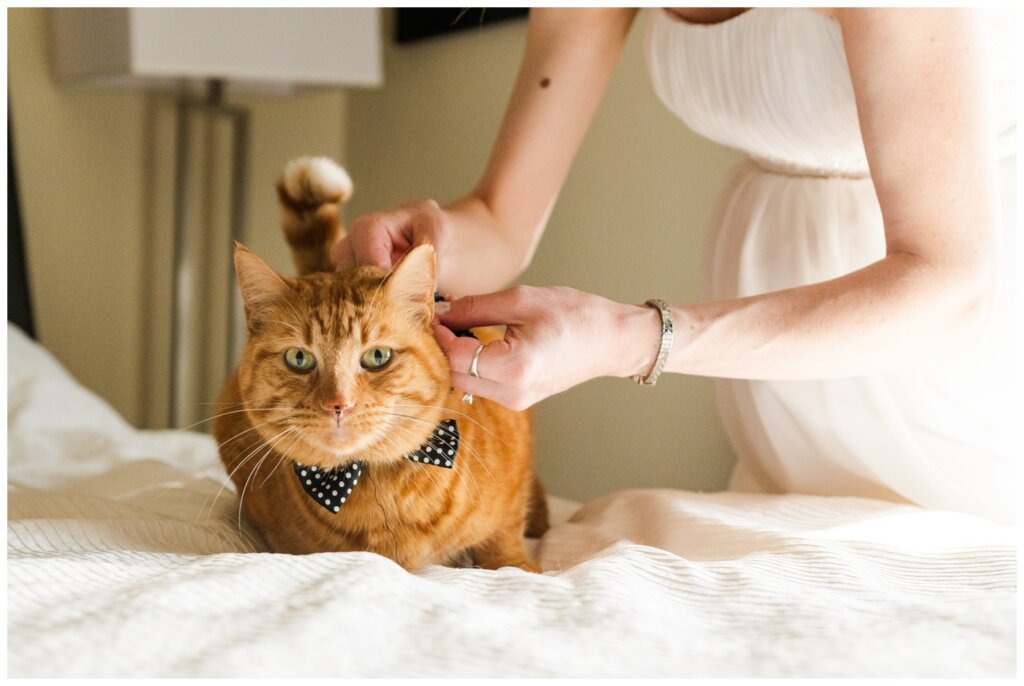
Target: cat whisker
<point x="220" y="490"/>
<point x="241" y="463"/>
<point x="424" y="421"/>
<point x="393" y="445"/>
<point x="240" y="402"/>
<point x="456" y="413"/>
<point x="270" y="448"/>
<point x="222" y="414"/>
<point x="284" y="455"/>
<point x="245" y="431"/>
<point x="221" y="445"/>
<point x="253" y="473"/>
<point x="429" y="473"/>
<point x="462" y="443"/>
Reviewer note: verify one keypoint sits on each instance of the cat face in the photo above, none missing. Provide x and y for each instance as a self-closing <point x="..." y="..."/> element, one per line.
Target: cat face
<point x="342" y="366"/>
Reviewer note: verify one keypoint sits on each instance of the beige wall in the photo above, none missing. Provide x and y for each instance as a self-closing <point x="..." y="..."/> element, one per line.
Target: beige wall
<point x="95" y="174"/>
<point x="94" y="170"/>
<point x="629" y="225"/>
<point x="79" y="157"/>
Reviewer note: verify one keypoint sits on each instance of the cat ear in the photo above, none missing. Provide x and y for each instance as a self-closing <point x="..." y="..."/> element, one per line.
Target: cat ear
<point x="261" y="286"/>
<point x="412" y="281"/>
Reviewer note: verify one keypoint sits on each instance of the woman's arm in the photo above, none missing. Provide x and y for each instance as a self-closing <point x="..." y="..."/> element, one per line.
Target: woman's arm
<point x="919" y="81"/>
<point x="487" y="238"/>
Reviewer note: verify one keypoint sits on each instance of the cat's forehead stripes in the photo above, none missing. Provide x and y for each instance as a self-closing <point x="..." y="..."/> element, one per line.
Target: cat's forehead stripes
<point x="321" y="289"/>
<point x="335" y="304"/>
<point x="372" y="330"/>
<point x="332" y="325"/>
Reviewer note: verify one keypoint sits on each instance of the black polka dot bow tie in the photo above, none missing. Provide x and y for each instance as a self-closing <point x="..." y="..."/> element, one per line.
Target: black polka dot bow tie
<point x="329" y="488"/>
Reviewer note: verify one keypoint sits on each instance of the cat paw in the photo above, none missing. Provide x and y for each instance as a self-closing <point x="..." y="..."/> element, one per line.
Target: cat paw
<point x="530" y="566"/>
<point x="313" y="181"/>
<point x="524" y="564"/>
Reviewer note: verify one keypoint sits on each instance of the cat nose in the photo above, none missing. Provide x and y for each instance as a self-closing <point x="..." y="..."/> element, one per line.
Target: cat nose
<point x="339" y="407"/>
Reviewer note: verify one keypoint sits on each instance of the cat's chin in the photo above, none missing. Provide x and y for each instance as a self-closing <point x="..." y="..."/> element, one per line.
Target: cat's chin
<point x="334" y="447"/>
<point x="338" y="436"/>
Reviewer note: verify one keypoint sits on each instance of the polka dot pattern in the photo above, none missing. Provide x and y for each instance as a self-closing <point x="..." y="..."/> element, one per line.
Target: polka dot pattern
<point x="441" y="447"/>
<point x="332" y="487"/>
<point x="329" y="488"/>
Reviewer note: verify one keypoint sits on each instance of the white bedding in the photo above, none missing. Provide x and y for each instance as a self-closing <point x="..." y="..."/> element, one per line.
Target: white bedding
<point x="121" y="562"/>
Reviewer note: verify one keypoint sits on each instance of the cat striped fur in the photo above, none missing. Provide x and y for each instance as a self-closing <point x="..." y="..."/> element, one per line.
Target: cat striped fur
<point x="271" y="416"/>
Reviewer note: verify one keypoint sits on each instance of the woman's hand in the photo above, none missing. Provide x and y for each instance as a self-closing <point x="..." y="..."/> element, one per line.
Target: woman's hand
<point x="475" y="251"/>
<point x="556" y="338"/>
<point x="381" y="238"/>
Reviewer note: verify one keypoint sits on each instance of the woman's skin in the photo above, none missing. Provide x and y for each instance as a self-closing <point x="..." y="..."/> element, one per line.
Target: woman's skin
<point x="923" y="107"/>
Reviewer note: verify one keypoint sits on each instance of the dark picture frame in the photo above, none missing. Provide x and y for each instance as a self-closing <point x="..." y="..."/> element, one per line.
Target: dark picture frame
<point x="415" y="24"/>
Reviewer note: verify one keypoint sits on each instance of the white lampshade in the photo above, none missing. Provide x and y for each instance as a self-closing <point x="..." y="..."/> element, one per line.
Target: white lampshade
<point x="279" y="47"/>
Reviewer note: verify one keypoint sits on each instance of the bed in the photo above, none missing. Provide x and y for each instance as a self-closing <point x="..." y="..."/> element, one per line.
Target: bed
<point x="127" y="557"/>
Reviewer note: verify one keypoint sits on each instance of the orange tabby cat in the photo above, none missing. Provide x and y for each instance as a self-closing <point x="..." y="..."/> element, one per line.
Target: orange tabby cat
<point x="342" y="385"/>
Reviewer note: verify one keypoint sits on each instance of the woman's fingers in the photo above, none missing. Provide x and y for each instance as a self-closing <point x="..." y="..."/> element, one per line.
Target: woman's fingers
<point x="554" y="339"/>
<point x="341" y="254"/>
<point x="492" y="390"/>
<point x="382" y="238"/>
<point x="497" y="366"/>
<point x="507" y="367"/>
<point x="451" y="343"/>
<point x="371" y="245"/>
<point x="491" y="309"/>
<point x="372" y="240"/>
<point x="428" y="224"/>
<point x="373" y="248"/>
<point x="461" y="350"/>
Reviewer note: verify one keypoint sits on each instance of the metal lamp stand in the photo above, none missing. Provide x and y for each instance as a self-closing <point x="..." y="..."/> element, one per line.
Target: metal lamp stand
<point x="211" y="107"/>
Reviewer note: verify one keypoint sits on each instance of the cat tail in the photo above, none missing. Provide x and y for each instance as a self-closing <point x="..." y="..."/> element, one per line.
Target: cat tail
<point x="309" y="192"/>
<point x="537" y="514"/>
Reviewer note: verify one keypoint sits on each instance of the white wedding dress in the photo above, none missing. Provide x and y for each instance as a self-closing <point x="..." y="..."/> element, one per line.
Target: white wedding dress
<point x="774" y="84"/>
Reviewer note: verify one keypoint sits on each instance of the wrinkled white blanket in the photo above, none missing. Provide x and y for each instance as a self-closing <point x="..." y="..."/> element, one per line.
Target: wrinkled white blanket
<point x="124" y="561"/>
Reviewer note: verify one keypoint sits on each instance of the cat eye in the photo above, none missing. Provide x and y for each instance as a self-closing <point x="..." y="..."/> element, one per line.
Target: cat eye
<point x="299" y="360"/>
<point x="375" y="358"/>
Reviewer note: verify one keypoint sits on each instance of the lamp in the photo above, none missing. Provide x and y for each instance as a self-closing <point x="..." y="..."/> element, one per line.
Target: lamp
<point x="271" y="50"/>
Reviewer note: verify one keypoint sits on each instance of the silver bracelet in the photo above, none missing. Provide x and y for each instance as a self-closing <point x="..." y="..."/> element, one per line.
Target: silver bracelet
<point x="667" y="328"/>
